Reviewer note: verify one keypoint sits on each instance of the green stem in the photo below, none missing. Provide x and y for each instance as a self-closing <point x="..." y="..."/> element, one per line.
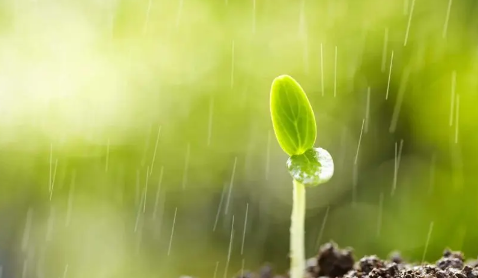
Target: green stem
<point x="297" y="254"/>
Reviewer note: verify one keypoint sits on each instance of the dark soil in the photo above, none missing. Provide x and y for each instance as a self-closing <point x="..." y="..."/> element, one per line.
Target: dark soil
<point x="335" y="262"/>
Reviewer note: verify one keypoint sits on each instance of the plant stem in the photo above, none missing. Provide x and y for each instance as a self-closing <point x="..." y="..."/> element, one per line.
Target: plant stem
<point x="297" y="254"/>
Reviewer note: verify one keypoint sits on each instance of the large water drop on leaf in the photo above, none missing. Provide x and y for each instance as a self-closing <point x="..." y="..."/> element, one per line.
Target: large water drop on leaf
<point x="311" y="168"/>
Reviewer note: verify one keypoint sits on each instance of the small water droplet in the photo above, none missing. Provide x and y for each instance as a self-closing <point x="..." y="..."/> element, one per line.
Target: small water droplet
<point x="311" y="168"/>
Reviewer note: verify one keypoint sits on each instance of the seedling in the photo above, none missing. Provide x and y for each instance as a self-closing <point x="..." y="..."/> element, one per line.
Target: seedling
<point x="295" y="129"/>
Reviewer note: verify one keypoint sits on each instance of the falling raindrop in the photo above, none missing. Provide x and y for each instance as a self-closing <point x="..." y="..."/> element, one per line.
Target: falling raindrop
<point x="146" y="145"/>
<point x="155" y="150"/>
<point x="51" y="223"/>
<point x="457" y="117"/>
<point x="398" y="157"/>
<point x="70" y="199"/>
<point x="65" y="272"/>
<point x="145" y="189"/>
<point x="138" y="214"/>
<point x="322" y="69"/>
<point x="231" y="184"/>
<point x="430" y="230"/>
<point x="209" y="129"/>
<point x="26" y="231"/>
<point x="25" y="268"/>
<point x="172" y="231"/>
<point x="447" y="17"/>
<point x="219" y="207"/>
<point x="253" y="16"/>
<point x="380" y="212"/>
<point x="354" y="184"/>
<point x="53" y="179"/>
<point x="215" y="269"/>
<point x="432" y="173"/>
<point x="398" y="103"/>
<point x="302" y="21"/>
<point x="306" y="54"/>
<point x="406" y="4"/>
<point x="452" y="97"/>
<point x="245" y="228"/>
<point x="389" y="76"/>
<point x="40" y="265"/>
<point x="384" y="51"/>
<point x="322" y="228"/>
<point x="457" y="165"/>
<point x="343" y="146"/>
<point x="335" y="72"/>
<point x="359" y="142"/>
<point x="158" y="191"/>
<point x="232" y="63"/>
<point x="50" y="180"/>
<point x="409" y="23"/>
<point x="367" y="111"/>
<point x="186" y="166"/>
<point x="139" y="238"/>
<point x="160" y="214"/>
<point x="268" y="154"/>
<point x="137" y="198"/>
<point x="303" y="36"/>
<point x="107" y="155"/>
<point x="242" y="267"/>
<point x="229" y="252"/>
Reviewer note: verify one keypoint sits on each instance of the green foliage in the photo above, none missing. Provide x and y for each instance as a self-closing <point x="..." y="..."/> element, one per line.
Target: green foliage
<point x="292" y="116"/>
<point x="295" y="129"/>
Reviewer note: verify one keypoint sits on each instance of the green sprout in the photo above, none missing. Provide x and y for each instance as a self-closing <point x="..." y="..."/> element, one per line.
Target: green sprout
<point x="295" y="129"/>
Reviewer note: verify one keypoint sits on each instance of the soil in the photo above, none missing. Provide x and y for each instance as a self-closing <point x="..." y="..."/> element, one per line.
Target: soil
<point x="335" y="262"/>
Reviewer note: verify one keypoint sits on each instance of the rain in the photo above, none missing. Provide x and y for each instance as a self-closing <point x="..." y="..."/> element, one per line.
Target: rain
<point x="150" y="121"/>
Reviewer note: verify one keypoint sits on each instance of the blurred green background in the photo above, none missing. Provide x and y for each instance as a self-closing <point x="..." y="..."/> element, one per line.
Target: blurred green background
<point x="124" y="120"/>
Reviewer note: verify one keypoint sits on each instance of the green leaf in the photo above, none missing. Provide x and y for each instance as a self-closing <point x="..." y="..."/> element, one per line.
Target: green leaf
<point x="292" y="116"/>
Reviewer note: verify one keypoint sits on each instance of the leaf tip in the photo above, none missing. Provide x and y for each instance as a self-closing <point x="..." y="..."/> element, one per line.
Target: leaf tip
<point x="282" y="78"/>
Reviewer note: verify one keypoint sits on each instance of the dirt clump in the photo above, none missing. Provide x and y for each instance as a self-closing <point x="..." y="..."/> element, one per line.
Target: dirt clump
<point x="334" y="262"/>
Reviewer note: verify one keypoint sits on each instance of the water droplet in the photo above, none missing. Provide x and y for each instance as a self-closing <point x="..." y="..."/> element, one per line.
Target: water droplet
<point x="311" y="168"/>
